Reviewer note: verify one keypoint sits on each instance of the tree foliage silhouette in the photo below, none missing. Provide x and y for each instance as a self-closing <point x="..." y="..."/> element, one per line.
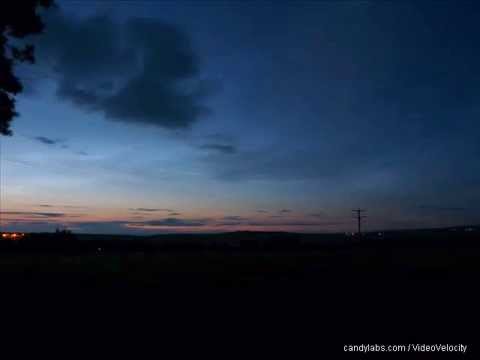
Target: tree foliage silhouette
<point x="17" y="20"/>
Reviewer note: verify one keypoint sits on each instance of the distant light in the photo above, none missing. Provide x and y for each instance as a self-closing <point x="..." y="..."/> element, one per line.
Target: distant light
<point x="14" y="235"/>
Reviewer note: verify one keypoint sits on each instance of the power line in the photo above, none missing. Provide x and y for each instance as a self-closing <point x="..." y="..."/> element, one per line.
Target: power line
<point x="358" y="215"/>
<point x="1" y="188"/>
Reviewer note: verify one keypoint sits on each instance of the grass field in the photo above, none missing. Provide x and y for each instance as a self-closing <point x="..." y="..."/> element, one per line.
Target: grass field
<point x="283" y="300"/>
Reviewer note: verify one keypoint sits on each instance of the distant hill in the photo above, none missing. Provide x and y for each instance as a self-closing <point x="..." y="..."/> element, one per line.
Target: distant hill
<point x="243" y="241"/>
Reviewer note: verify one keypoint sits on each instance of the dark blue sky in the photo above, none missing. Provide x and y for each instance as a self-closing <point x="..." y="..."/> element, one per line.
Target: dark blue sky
<point x="213" y="116"/>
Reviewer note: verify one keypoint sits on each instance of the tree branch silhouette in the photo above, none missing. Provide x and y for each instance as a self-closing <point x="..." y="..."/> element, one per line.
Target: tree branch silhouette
<point x="17" y="20"/>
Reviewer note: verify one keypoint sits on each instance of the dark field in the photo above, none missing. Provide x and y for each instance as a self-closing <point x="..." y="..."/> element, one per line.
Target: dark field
<point x="285" y="293"/>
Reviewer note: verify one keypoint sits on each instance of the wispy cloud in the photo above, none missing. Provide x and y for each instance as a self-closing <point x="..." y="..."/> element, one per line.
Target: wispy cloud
<point x="58" y="143"/>
<point x="34" y="214"/>
<point x="74" y="207"/>
<point x="21" y="162"/>
<point x="61" y="206"/>
<point x="141" y="209"/>
<point x="48" y="141"/>
<point x="441" y="208"/>
<point x="276" y="224"/>
<point x="220" y="148"/>
<point x="318" y="215"/>
<point x="46" y="221"/>
<point x="171" y="222"/>
<point x="234" y="218"/>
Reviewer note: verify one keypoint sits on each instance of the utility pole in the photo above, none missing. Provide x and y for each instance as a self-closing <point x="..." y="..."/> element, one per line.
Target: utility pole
<point x="1" y="228"/>
<point x="358" y="215"/>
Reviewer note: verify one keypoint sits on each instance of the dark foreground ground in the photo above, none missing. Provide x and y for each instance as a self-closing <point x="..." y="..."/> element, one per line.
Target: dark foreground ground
<point x="243" y="295"/>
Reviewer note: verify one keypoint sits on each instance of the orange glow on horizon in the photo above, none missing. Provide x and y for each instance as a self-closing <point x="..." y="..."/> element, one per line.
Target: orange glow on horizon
<point x="13" y="236"/>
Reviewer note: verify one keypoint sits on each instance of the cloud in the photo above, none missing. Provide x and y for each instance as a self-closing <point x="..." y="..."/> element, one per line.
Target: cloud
<point x="75" y="207"/>
<point x="100" y="227"/>
<point x="275" y="222"/>
<point x="60" y="143"/>
<point x="173" y="222"/>
<point x="47" y="222"/>
<point x="31" y="226"/>
<point x="62" y="206"/>
<point x="221" y="148"/>
<point x="441" y="208"/>
<point x="319" y="214"/>
<point x="20" y="162"/>
<point x="234" y="218"/>
<point x="255" y="223"/>
<point x="347" y="92"/>
<point x="285" y="211"/>
<point x="298" y="223"/>
<point x="150" y="210"/>
<point x="126" y="226"/>
<point x="139" y="71"/>
<point x="284" y="163"/>
<point x="34" y="214"/>
<point x="47" y="141"/>
<point x="219" y="138"/>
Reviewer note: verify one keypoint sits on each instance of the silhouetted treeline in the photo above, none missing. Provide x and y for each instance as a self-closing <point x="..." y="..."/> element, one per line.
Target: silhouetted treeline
<point x="386" y="244"/>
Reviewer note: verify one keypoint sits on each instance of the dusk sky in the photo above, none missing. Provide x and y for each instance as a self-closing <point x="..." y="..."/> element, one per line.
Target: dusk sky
<point x="168" y="116"/>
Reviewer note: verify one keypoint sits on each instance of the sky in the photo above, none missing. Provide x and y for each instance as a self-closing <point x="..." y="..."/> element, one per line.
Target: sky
<point x="144" y="117"/>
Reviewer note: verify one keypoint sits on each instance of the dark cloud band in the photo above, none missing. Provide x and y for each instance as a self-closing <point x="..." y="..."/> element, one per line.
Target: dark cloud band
<point x="141" y="71"/>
